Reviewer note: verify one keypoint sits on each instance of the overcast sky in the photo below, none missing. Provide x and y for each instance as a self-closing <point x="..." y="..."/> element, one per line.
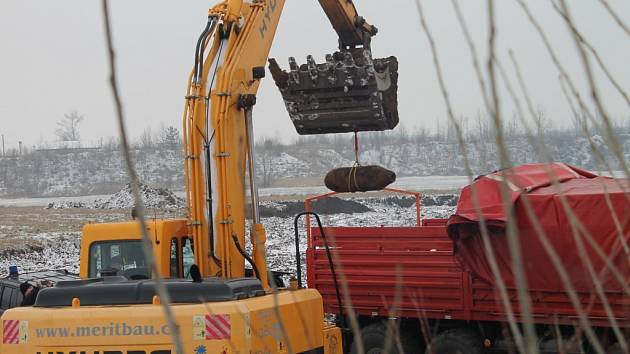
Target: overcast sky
<point x="53" y="60"/>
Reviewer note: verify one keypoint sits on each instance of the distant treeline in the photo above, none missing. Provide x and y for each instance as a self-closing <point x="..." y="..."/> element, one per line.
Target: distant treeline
<point x="49" y="170"/>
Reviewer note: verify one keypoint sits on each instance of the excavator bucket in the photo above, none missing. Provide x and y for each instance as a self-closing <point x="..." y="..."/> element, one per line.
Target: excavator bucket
<point x="350" y="92"/>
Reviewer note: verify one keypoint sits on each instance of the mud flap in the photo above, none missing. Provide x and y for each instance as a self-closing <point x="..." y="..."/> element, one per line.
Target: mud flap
<point x="350" y="92"/>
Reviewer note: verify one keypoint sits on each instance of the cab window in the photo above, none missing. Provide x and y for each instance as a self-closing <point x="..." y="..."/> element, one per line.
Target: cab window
<point x="16" y="298"/>
<point x="174" y="258"/>
<point x="124" y="258"/>
<point x="188" y="256"/>
<point x="6" y="297"/>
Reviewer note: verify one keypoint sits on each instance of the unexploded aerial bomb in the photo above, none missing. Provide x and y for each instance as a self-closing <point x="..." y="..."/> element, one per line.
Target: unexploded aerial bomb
<point x="359" y="179"/>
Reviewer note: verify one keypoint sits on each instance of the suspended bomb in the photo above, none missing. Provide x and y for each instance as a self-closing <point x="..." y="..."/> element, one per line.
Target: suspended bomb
<point x="359" y="179"/>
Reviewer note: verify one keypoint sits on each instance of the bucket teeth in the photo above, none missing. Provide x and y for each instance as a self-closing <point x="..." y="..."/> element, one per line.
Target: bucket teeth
<point x="293" y="64"/>
<point x="349" y="92"/>
<point x="312" y="68"/>
<point x="295" y="72"/>
<point x="348" y="59"/>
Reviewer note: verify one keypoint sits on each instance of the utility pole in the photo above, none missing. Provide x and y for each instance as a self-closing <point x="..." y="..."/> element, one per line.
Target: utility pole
<point x="3" y="155"/>
<point x="20" y="144"/>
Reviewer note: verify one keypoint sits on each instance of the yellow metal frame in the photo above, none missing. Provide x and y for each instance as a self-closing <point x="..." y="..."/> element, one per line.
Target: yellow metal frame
<point x="248" y="29"/>
<point x="244" y="34"/>
<point x="294" y="322"/>
<point x="288" y="321"/>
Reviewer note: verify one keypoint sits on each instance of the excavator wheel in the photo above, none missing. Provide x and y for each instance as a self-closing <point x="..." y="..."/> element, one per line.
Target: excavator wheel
<point x="377" y="335"/>
<point x="350" y="92"/>
<point x="457" y="341"/>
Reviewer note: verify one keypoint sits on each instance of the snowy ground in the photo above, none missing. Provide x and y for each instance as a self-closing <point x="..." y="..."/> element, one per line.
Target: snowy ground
<point x="36" y="238"/>
<point x="425" y="183"/>
<point x="281" y="244"/>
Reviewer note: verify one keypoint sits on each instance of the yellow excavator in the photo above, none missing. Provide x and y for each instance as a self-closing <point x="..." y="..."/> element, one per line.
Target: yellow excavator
<point x="218" y="306"/>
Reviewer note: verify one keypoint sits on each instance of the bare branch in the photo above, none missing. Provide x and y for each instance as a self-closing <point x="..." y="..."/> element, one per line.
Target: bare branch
<point x="616" y="17"/>
<point x="512" y="231"/>
<point x="135" y="186"/>
<point x="483" y="226"/>
<point x="576" y="227"/>
<point x="591" y="49"/>
<point x="473" y="52"/>
<point x="607" y="130"/>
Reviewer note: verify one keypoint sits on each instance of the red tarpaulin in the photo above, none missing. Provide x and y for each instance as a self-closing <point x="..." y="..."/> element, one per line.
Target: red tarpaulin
<point x="585" y="194"/>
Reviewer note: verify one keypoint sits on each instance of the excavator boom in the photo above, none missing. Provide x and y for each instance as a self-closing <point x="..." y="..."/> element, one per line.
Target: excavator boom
<point x="349" y="92"/>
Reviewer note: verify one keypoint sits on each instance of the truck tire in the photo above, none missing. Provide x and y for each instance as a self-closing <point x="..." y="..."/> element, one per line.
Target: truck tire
<point x="615" y="349"/>
<point x="374" y="338"/>
<point x="456" y="341"/>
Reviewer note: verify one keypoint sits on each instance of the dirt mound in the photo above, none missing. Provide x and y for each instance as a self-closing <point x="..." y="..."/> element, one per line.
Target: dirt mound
<point x="68" y="205"/>
<point x="324" y="206"/>
<point x="426" y="200"/>
<point x="153" y="198"/>
<point x="440" y="200"/>
<point x="328" y="206"/>
<point x="403" y="202"/>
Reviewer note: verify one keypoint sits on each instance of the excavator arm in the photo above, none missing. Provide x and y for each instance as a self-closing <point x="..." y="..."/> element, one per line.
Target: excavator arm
<point x="229" y="63"/>
<point x="352" y="29"/>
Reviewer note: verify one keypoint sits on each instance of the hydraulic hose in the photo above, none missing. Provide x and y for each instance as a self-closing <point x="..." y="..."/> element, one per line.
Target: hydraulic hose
<point x="246" y="256"/>
<point x="330" y="262"/>
<point x="210" y="25"/>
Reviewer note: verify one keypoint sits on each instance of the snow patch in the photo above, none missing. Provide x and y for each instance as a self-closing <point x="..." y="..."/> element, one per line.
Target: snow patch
<point x="153" y="198"/>
<point x="60" y="250"/>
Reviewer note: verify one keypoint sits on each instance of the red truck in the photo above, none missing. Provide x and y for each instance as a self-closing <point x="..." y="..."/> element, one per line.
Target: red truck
<point x="433" y="280"/>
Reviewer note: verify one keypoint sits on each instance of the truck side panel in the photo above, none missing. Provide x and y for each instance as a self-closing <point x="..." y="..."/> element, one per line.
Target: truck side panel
<point x="409" y="266"/>
<point x="549" y="307"/>
<point x="417" y="266"/>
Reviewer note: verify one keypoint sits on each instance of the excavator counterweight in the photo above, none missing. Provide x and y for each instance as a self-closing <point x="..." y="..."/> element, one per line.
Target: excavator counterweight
<point x="350" y="92"/>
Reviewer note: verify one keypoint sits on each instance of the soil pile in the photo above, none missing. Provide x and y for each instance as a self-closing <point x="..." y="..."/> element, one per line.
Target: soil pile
<point x="325" y="206"/>
<point x="153" y="198"/>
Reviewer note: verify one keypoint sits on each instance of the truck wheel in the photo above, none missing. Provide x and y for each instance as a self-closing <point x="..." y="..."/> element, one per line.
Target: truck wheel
<point x="615" y="349"/>
<point x="374" y="338"/>
<point x="456" y="341"/>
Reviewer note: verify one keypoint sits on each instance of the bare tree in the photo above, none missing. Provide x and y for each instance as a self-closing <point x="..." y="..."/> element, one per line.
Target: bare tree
<point x="68" y="127"/>
<point x="266" y="149"/>
<point x="420" y="134"/>
<point x="147" y="139"/>
<point x="170" y="137"/>
<point x="542" y="123"/>
<point x="402" y="135"/>
<point x="513" y="129"/>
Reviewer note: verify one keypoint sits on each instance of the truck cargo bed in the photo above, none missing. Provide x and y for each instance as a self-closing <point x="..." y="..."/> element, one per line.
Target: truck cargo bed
<point x="416" y="264"/>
